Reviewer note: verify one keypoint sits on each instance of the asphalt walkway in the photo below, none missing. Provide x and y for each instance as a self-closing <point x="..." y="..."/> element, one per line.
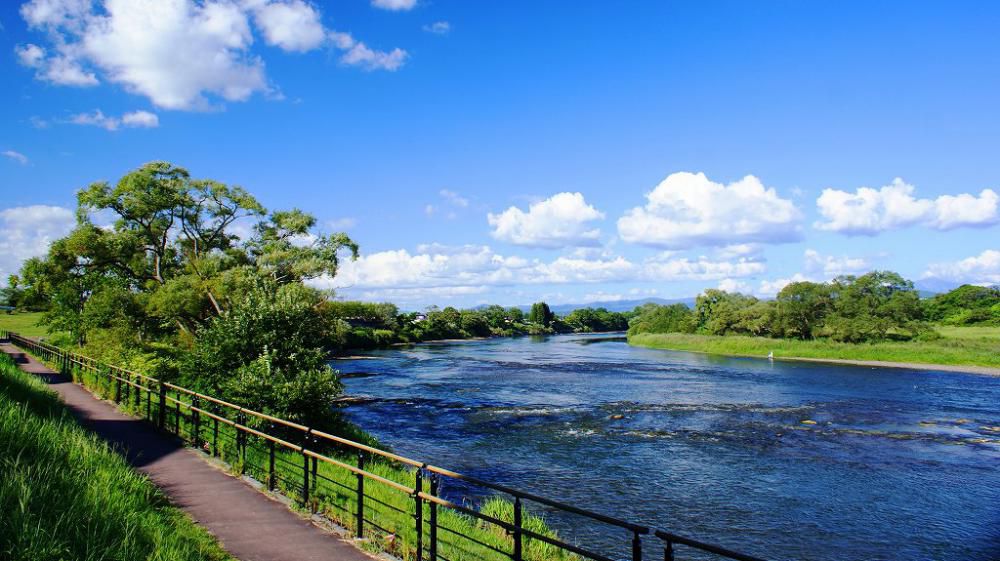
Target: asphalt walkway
<point x="248" y="524"/>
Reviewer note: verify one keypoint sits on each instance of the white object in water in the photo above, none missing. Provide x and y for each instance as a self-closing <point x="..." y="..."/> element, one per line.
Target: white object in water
<point x="770" y="355"/>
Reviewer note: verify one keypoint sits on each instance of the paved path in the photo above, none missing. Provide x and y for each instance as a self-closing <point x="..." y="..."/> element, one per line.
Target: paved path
<point x="249" y="525"/>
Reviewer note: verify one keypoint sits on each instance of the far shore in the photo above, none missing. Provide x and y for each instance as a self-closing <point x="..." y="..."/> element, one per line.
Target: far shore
<point x="687" y="343"/>
<point x="969" y="369"/>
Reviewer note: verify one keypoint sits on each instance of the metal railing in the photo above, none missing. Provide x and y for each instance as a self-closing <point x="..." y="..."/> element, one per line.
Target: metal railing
<point x="352" y="483"/>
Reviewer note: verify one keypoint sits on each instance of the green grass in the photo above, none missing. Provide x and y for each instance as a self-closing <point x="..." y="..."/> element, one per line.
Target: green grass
<point x="969" y="332"/>
<point x="389" y="513"/>
<point x="23" y="323"/>
<point x="967" y="346"/>
<point x="65" y="494"/>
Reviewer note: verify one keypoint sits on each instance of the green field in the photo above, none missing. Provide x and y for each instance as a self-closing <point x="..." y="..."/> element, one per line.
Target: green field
<point x="23" y="323"/>
<point x="65" y="494"/>
<point x="966" y="346"/>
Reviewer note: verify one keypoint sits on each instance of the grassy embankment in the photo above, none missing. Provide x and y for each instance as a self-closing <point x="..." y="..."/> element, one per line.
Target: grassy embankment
<point x="965" y="346"/>
<point x="65" y="494"/>
<point x="461" y="537"/>
<point x="23" y="323"/>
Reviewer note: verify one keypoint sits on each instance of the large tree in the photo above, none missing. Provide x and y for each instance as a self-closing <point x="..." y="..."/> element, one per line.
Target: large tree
<point x="157" y="260"/>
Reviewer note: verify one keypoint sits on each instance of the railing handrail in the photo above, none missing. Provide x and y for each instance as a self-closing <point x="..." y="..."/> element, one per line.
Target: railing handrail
<point x="668" y="538"/>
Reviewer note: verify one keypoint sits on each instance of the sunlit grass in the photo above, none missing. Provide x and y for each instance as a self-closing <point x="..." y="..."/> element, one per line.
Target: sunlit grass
<point x="23" y="323"/>
<point x="960" y="346"/>
<point x="64" y="494"/>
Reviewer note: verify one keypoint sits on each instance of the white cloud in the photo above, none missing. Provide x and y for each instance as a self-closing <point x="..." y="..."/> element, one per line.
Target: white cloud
<point x="831" y="266"/>
<point x="438" y="28"/>
<point x="473" y="267"/>
<point x="143" y="119"/>
<point x="733" y="285"/>
<point x="30" y="55"/>
<point x="978" y="269"/>
<point x="340" y="224"/>
<point x="181" y="54"/>
<point x="700" y="269"/>
<point x="359" y="54"/>
<point x="453" y="202"/>
<point x="688" y="210"/>
<point x="16" y="156"/>
<point x="135" y="119"/>
<point x="27" y="232"/>
<point x="869" y="211"/>
<point x="773" y="287"/>
<point x="59" y="69"/>
<point x="559" y="221"/>
<point x="395" y="5"/>
<point x="454" y="198"/>
<point x="292" y="26"/>
<point x="739" y="250"/>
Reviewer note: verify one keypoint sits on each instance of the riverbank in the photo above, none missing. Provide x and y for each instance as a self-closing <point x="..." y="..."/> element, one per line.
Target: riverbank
<point x="956" y="353"/>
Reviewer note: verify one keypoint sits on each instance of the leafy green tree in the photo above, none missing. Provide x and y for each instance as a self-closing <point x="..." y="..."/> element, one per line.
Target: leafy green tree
<point x="717" y="312"/>
<point x="540" y="314"/>
<point x="802" y="308"/>
<point x="170" y="273"/>
<point x="966" y="305"/>
<point x="654" y="318"/>
<point x="873" y="305"/>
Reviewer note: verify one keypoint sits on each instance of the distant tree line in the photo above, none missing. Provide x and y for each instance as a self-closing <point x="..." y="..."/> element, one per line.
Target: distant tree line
<point x="361" y="325"/>
<point x="876" y="306"/>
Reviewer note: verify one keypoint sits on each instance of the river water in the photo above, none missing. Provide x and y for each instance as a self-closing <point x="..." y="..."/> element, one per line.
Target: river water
<point x="891" y="464"/>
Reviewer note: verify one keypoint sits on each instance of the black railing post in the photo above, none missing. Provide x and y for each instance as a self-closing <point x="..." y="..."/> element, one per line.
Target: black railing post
<point x="668" y="551"/>
<point x="241" y="443"/>
<point x="517" y="530"/>
<point x="315" y="504"/>
<point x="196" y="420"/>
<point x="138" y="393"/>
<point x="305" y="467"/>
<point x="636" y="546"/>
<point x="434" y="519"/>
<point x="162" y="413"/>
<point x="270" y="467"/>
<point x="215" y="433"/>
<point x="360" y="521"/>
<point x="149" y="404"/>
<point x="418" y="487"/>
<point x="177" y="415"/>
<point x="305" y="478"/>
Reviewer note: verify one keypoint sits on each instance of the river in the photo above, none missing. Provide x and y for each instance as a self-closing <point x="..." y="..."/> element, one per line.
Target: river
<point x="890" y="464"/>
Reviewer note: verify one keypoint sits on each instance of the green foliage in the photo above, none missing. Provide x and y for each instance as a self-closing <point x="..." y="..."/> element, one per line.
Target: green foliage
<point x="169" y="289"/>
<point x="718" y="312"/>
<point x="966" y="305"/>
<point x="584" y="320"/>
<point x="872" y="307"/>
<point x="268" y="353"/>
<point x="869" y="307"/>
<point x="65" y="494"/>
<point x="802" y="308"/>
<point x="653" y="318"/>
<point x="540" y="314"/>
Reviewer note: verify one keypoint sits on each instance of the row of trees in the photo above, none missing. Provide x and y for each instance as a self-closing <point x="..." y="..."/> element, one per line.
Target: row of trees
<point x="870" y="307"/>
<point x="358" y="325"/>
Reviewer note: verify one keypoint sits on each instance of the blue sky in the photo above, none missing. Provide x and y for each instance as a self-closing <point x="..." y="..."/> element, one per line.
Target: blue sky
<point x="514" y="151"/>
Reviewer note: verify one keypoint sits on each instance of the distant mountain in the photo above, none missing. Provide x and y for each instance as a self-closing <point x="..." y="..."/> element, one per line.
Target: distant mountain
<point x="616" y="305"/>
<point x="930" y="287"/>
